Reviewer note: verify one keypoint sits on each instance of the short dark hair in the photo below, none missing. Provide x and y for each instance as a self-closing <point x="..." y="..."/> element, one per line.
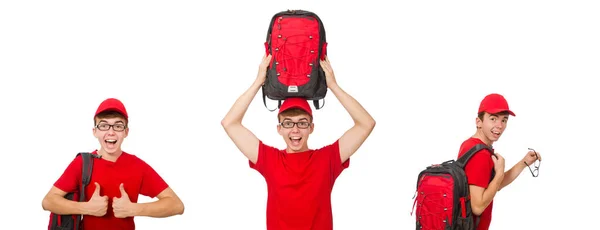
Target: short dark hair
<point x="110" y="114"/>
<point x="293" y="112"/>
<point x="481" y="114"/>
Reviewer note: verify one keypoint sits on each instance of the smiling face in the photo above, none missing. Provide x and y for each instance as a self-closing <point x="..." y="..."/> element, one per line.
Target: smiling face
<point x="295" y="126"/>
<point x="110" y="130"/>
<point x="491" y="126"/>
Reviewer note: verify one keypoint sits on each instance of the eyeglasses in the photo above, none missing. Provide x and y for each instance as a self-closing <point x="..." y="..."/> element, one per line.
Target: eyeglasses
<point x="536" y="171"/>
<point x="290" y="124"/>
<point x="106" y="127"/>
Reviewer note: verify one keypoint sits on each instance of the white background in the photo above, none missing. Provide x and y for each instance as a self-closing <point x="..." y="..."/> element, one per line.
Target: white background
<point x="419" y="68"/>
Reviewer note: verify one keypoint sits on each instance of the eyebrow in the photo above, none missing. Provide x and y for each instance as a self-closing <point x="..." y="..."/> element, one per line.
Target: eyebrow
<point x="499" y="116"/>
<point x="301" y="119"/>
<point x="118" y="122"/>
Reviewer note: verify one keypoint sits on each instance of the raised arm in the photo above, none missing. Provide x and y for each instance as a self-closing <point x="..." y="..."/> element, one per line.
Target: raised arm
<point x="352" y="139"/>
<point x="243" y="138"/>
<point x="515" y="171"/>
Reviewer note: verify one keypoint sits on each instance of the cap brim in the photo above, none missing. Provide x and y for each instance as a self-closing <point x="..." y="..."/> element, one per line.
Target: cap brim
<point x="293" y="107"/>
<point x="501" y="110"/>
<point x="112" y="109"/>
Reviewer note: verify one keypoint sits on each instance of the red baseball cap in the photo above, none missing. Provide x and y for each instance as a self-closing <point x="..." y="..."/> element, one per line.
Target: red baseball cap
<point x="295" y="102"/>
<point x="494" y="103"/>
<point x="112" y="104"/>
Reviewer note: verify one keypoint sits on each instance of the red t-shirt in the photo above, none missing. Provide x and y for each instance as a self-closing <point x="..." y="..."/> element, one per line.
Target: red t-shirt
<point x="137" y="176"/>
<point x="299" y="186"/>
<point x="479" y="172"/>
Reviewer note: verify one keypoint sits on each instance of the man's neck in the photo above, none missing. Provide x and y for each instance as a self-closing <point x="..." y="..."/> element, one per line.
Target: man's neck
<point x="110" y="157"/>
<point x="482" y="137"/>
<point x="290" y="151"/>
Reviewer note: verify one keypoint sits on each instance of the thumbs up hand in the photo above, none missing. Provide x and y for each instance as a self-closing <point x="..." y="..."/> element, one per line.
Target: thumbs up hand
<point x="97" y="205"/>
<point x="122" y="207"/>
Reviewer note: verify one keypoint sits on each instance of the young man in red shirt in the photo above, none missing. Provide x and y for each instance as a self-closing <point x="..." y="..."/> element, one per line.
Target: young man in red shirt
<point x="299" y="179"/>
<point x="491" y="122"/>
<point x="116" y="181"/>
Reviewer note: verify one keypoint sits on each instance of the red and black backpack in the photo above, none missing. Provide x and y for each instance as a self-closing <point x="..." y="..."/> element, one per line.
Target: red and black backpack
<point x="442" y="197"/>
<point x="73" y="222"/>
<point x="296" y="40"/>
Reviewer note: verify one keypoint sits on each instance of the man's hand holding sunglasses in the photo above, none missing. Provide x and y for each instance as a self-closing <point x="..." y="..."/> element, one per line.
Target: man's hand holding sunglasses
<point x="534" y="159"/>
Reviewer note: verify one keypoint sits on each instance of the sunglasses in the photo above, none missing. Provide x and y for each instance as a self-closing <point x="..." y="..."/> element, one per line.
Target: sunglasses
<point x="536" y="171"/>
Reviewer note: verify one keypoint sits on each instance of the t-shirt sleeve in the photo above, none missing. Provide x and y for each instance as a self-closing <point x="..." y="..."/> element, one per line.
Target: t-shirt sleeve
<point x="264" y="159"/>
<point x="152" y="183"/>
<point x="337" y="166"/>
<point x="70" y="180"/>
<point x="479" y="169"/>
<point x="267" y="155"/>
<point x="259" y="157"/>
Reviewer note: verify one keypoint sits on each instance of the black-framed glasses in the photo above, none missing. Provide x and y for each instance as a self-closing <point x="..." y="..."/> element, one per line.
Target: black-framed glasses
<point x="116" y="127"/>
<point x="290" y="124"/>
<point x="536" y="171"/>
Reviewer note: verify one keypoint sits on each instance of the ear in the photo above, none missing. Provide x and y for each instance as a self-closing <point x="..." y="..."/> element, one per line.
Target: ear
<point x="279" y="129"/>
<point x="312" y="128"/>
<point x="126" y="132"/>
<point x="478" y="122"/>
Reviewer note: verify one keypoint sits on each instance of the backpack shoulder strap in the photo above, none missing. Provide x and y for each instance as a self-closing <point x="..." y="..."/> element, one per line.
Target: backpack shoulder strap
<point x="462" y="161"/>
<point x="86" y="172"/>
<point x="316" y="104"/>
<point x="86" y="175"/>
<point x="264" y="96"/>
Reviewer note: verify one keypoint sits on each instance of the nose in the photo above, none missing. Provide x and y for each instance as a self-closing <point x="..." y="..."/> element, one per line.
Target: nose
<point x="500" y="125"/>
<point x="111" y="130"/>
<point x="295" y="128"/>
